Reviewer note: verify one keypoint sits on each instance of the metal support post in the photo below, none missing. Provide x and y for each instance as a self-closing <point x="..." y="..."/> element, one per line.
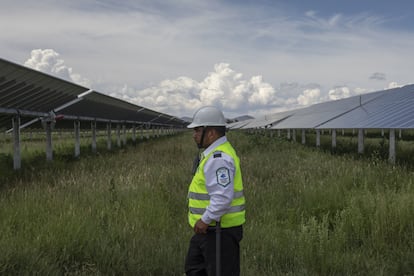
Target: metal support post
<point x="109" y="138"/>
<point x="118" y="135"/>
<point x="333" y="138"/>
<point x="318" y="138"/>
<point x="391" y="156"/>
<point x="16" y="137"/>
<point x="93" y="127"/>
<point x="360" y="141"/>
<point x="77" y="138"/>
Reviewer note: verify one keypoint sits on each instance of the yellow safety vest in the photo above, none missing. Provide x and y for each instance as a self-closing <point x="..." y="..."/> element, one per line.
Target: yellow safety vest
<point x="199" y="199"/>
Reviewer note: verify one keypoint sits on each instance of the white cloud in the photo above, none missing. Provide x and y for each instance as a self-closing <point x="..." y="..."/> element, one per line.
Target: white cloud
<point x="48" y="61"/>
<point x="339" y="93"/>
<point x="393" y="85"/>
<point x="309" y="96"/>
<point x="222" y="87"/>
<point x="310" y="13"/>
<point x="342" y="92"/>
<point x="262" y="92"/>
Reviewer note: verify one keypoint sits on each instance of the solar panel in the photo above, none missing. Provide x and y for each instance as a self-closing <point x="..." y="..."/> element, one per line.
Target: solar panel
<point x="268" y="121"/>
<point x="32" y="94"/>
<point x="394" y="109"/>
<point x="315" y="115"/>
<point x="238" y="125"/>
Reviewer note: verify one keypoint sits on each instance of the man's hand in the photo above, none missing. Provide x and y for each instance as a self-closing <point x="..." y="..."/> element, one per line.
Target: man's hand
<point x="200" y="227"/>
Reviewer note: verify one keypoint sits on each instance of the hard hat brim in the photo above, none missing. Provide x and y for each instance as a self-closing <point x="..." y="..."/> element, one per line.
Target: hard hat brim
<point x="192" y="125"/>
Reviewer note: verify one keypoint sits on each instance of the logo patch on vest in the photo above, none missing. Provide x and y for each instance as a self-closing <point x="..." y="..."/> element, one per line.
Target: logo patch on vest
<point x="223" y="176"/>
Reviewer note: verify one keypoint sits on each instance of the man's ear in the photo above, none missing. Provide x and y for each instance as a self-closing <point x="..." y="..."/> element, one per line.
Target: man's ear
<point x="207" y="134"/>
<point x="215" y="133"/>
<point x="211" y="132"/>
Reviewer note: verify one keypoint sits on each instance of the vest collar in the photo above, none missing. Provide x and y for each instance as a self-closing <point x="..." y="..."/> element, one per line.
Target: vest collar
<point x="215" y="144"/>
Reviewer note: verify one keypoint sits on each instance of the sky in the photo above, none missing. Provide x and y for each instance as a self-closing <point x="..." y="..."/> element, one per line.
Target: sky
<point x="254" y="57"/>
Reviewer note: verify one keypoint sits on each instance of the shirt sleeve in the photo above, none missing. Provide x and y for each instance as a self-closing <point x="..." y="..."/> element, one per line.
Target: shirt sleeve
<point x="219" y="172"/>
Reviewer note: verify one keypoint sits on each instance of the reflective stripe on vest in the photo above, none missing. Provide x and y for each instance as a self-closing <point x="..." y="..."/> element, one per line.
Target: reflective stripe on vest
<point x="232" y="209"/>
<point x="199" y="196"/>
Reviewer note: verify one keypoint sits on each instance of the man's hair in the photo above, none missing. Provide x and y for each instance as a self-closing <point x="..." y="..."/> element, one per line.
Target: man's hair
<point x="221" y="130"/>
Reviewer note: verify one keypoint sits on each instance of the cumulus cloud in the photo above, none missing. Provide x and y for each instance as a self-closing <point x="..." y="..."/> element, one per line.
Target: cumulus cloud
<point x="309" y="96"/>
<point x="223" y="87"/>
<point x="339" y="93"/>
<point x="48" y="61"/>
<point x="378" y="76"/>
<point x="170" y="96"/>
<point x="392" y="85"/>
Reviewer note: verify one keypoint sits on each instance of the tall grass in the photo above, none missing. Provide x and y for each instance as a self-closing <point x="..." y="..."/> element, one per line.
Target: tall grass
<point x="318" y="214"/>
<point x="308" y="212"/>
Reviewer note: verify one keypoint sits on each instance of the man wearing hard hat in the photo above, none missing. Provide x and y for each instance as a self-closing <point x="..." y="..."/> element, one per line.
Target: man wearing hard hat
<point x="215" y="199"/>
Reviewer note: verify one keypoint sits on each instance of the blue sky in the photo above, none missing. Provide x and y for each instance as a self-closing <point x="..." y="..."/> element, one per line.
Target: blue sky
<point x="248" y="57"/>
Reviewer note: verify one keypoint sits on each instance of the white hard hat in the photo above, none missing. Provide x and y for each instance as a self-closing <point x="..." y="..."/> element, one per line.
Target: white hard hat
<point x="208" y="116"/>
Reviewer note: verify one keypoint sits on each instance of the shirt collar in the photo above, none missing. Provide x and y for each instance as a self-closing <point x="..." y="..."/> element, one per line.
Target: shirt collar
<point x="215" y="144"/>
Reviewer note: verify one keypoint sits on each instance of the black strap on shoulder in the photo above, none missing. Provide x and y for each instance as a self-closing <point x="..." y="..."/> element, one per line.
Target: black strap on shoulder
<point x="196" y="162"/>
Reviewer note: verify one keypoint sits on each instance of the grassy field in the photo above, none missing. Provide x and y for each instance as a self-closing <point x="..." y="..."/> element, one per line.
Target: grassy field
<point x="124" y="213"/>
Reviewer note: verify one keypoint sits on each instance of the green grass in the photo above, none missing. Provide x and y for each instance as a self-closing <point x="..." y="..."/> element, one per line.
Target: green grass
<point x="124" y="212"/>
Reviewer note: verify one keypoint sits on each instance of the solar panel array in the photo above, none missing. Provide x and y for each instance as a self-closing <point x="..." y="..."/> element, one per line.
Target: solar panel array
<point x="392" y="109"/>
<point x="388" y="109"/>
<point x="32" y="95"/>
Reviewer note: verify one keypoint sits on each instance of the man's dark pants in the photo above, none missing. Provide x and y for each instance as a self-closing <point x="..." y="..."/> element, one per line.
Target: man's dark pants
<point x="201" y="256"/>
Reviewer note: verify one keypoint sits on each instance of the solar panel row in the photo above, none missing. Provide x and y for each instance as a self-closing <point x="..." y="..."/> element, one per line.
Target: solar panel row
<point x="33" y="94"/>
<point x="389" y="109"/>
<point x="31" y="99"/>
